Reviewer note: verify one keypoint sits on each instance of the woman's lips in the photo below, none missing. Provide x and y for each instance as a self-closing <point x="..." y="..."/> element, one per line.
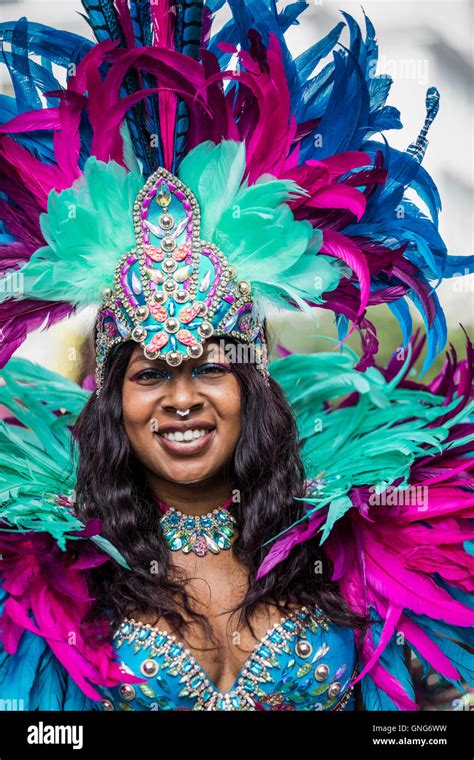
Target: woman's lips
<point x="186" y="448"/>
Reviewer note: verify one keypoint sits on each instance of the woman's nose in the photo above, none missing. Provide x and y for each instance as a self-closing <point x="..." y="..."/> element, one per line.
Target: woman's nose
<point x="181" y="393"/>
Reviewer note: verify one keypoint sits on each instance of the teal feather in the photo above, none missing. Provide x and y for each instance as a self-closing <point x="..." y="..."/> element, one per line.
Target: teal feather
<point x="388" y="424"/>
<point x="88" y="227"/>
<point x="37" y="460"/>
<point x="278" y="254"/>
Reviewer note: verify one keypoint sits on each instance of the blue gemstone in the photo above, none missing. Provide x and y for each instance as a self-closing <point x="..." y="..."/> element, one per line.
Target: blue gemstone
<point x="142" y="635"/>
<point x="289" y="625"/>
<point x="206" y="522"/>
<point x="159" y="640"/>
<point x="256" y="668"/>
<point x="248" y="685"/>
<point x="174" y="650"/>
<point x="235" y="701"/>
<point x="173" y="519"/>
<point x="173" y="342"/>
<point x="276" y="637"/>
<point x="189" y="522"/>
<point x="221" y="541"/>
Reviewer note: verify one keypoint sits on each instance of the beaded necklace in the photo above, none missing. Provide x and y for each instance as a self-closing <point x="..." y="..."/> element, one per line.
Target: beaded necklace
<point x="200" y="534"/>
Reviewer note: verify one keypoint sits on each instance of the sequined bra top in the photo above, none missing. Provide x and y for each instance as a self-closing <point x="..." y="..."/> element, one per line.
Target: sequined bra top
<point x="302" y="663"/>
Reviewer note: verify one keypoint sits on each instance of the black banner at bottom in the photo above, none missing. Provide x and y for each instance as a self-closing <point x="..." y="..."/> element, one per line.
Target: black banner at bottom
<point x="299" y="734"/>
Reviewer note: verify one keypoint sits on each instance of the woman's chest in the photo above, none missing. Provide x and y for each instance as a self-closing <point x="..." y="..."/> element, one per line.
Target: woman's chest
<point x="294" y="660"/>
<point x="301" y="663"/>
<point x="223" y="648"/>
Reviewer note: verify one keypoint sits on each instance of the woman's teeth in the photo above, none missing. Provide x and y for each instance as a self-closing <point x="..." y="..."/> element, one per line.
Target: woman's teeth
<point x="188" y="435"/>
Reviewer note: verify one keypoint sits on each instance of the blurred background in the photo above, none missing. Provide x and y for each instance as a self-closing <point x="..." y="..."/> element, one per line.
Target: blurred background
<point x="421" y="43"/>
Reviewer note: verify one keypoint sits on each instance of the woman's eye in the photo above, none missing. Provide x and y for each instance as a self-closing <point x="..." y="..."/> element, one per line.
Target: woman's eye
<point x="211" y="370"/>
<point x="149" y="376"/>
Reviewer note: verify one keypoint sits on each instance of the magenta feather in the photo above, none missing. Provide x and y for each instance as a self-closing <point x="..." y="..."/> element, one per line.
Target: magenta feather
<point x="43" y="118"/>
<point x="382" y="678"/>
<point x="281" y="548"/>
<point x="427" y="648"/>
<point x="391" y="621"/>
<point x="18" y="318"/>
<point x="343" y="248"/>
<point x="48" y="595"/>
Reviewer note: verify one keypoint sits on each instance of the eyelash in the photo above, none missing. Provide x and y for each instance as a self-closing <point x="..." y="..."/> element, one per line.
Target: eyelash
<point x="157" y="375"/>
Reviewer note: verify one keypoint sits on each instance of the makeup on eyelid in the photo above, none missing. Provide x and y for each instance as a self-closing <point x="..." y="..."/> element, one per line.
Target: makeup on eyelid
<point x="166" y="375"/>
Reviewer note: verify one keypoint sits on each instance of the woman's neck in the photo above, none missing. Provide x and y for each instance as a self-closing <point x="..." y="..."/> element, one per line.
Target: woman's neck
<point x="192" y="498"/>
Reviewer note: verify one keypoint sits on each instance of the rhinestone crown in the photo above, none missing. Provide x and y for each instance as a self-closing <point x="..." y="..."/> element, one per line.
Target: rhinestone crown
<point x="173" y="290"/>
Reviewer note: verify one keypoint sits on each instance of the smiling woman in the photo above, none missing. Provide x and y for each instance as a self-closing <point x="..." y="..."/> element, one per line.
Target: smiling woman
<point x="175" y="508"/>
<point x="209" y="529"/>
<point x="203" y="390"/>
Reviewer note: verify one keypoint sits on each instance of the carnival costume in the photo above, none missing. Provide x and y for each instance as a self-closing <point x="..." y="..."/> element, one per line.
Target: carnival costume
<point x="185" y="181"/>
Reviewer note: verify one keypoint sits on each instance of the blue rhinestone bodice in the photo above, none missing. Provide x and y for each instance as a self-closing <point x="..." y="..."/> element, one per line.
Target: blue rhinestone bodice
<point x="302" y="663"/>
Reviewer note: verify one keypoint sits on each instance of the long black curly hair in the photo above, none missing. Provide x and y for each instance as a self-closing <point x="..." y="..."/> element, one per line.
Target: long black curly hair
<point x="266" y="470"/>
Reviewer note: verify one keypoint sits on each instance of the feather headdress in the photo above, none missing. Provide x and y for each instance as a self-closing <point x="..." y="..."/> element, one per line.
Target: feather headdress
<point x="294" y="200"/>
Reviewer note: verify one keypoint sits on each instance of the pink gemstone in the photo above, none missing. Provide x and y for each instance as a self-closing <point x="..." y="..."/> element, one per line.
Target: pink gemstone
<point x="200" y="547"/>
<point x="159" y="312"/>
<point x="186" y="338"/>
<point x="182" y="251"/>
<point x="189" y="312"/>
<point x="154" y="252"/>
<point x="158" y="341"/>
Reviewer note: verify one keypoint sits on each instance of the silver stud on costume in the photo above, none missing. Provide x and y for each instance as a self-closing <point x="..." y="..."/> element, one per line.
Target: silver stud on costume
<point x="149" y="668"/>
<point x="127" y="691"/>
<point x="334" y="689"/>
<point x="321" y="672"/>
<point x="303" y="648"/>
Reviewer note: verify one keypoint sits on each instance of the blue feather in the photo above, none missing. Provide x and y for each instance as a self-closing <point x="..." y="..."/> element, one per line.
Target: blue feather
<point x="392" y="659"/>
<point x="55" y="44"/>
<point x="103" y="19"/>
<point x="34" y="679"/>
<point x="400" y="310"/>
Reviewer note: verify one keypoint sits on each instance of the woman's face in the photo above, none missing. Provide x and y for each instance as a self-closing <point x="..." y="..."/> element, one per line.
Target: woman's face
<point x="182" y="448"/>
